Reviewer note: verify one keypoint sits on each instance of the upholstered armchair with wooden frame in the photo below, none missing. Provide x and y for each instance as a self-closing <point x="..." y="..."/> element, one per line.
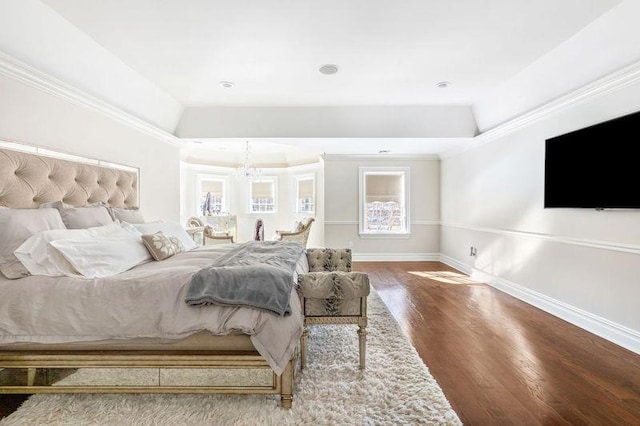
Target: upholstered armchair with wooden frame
<point x="300" y="234"/>
<point x="332" y="294"/>
<point x="195" y="224"/>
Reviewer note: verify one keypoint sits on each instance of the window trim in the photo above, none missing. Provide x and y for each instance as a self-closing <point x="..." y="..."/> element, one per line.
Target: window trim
<point x="297" y="179"/>
<point x="200" y="177"/>
<point x="273" y="179"/>
<point x="362" y="171"/>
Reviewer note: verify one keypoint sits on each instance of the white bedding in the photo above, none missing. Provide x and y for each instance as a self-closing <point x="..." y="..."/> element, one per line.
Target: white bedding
<point x="96" y="252"/>
<point x="146" y="301"/>
<point x="38" y="256"/>
<point x="102" y="256"/>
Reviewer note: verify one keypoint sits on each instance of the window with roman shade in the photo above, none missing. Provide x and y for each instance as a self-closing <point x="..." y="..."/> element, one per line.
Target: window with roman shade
<point x="262" y="195"/>
<point x="384" y="200"/>
<point x="305" y="194"/>
<point x="211" y="194"/>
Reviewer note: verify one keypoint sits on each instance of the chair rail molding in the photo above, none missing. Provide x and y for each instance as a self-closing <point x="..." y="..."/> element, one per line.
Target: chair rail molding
<point x="355" y="222"/>
<point x="603" y="245"/>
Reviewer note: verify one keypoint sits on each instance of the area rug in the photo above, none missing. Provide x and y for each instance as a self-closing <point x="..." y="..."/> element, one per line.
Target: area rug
<point x="395" y="389"/>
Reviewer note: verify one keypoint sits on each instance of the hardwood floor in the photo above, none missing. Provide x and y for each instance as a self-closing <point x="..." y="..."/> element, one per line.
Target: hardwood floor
<point x="499" y="360"/>
<point x="502" y="361"/>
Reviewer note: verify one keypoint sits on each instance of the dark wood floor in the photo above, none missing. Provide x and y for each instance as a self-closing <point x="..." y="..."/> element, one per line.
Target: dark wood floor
<point x="499" y="360"/>
<point x="502" y="361"/>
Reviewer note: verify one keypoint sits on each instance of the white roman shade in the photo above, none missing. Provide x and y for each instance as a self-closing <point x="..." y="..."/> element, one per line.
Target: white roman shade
<point x="384" y="187"/>
<point x="215" y="187"/>
<point x="262" y="189"/>
<point x="305" y="188"/>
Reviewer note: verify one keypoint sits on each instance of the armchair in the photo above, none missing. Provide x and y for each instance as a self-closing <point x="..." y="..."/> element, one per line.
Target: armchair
<point x="195" y="225"/>
<point x="300" y="234"/>
<point x="217" y="239"/>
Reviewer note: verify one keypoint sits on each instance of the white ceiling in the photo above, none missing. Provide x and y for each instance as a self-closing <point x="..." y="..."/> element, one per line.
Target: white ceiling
<point x="390" y="52"/>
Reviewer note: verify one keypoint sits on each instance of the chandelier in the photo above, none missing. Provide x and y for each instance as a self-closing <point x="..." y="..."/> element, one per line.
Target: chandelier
<point x="247" y="171"/>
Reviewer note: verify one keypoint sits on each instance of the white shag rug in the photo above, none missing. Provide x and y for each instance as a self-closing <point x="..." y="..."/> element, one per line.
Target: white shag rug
<point x="395" y="389"/>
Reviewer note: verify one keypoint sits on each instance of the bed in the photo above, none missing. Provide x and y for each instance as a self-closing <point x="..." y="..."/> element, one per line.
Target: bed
<point x="135" y="319"/>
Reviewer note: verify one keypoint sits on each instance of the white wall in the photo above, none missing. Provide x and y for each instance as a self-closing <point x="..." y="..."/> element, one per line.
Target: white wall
<point x="283" y="219"/>
<point x="432" y="121"/>
<point x="33" y="33"/>
<point x="604" y="46"/>
<point x="581" y="261"/>
<point x="341" y="210"/>
<point x="31" y="116"/>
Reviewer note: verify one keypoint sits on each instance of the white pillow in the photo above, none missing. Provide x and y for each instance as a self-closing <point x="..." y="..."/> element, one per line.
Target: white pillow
<point x="36" y="253"/>
<point x="90" y="216"/>
<point x="16" y="226"/>
<point x="105" y="255"/>
<point x="168" y="228"/>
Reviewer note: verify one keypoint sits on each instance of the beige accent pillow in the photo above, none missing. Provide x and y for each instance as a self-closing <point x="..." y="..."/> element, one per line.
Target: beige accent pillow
<point x="18" y="225"/>
<point x="162" y="246"/>
<point x="126" y="215"/>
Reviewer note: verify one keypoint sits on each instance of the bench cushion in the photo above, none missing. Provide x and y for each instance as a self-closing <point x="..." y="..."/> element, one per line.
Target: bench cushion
<point x="333" y="293"/>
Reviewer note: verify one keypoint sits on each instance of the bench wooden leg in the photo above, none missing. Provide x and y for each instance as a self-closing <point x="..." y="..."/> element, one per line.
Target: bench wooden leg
<point x="303" y="347"/>
<point x="362" y="334"/>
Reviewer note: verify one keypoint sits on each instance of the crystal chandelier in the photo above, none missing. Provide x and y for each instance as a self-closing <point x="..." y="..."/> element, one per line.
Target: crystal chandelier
<point x="247" y="171"/>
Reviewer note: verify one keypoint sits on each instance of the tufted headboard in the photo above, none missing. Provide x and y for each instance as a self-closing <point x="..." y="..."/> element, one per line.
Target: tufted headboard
<point x="28" y="180"/>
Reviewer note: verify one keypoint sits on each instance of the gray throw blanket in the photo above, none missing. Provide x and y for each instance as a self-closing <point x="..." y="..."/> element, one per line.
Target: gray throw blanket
<point x="258" y="274"/>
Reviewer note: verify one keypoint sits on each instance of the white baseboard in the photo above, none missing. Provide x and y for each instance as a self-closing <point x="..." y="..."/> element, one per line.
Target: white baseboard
<point x="455" y="264"/>
<point x="609" y="330"/>
<point x="396" y="257"/>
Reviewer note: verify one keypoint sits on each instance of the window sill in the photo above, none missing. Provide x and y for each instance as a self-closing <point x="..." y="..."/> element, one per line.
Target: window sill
<point x="384" y="236"/>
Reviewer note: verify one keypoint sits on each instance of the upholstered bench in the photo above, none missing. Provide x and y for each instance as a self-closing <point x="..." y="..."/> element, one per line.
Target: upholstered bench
<point x="331" y="294"/>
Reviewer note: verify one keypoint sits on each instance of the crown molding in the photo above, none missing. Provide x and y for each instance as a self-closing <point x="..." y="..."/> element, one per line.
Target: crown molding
<point x="610" y="83"/>
<point x="28" y="75"/>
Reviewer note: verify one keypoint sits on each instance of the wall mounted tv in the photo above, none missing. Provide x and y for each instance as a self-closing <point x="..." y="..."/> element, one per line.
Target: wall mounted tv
<point x="594" y="167"/>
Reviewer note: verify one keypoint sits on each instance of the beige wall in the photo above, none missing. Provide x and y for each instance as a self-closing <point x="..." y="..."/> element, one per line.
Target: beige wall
<point x="341" y="211"/>
<point x="492" y="198"/>
<point x="31" y="116"/>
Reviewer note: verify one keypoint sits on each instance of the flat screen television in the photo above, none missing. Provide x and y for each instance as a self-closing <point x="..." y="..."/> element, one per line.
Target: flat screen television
<point x="594" y="167"/>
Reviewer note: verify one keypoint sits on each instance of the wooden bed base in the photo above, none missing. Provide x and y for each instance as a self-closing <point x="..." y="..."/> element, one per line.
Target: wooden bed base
<point x="34" y="360"/>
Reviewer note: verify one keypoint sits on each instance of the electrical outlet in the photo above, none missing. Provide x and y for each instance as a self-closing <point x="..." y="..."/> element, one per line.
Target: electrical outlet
<point x="350" y="244"/>
<point x="473" y="251"/>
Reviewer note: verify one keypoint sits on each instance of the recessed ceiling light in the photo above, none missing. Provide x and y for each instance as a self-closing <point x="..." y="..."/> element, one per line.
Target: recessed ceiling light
<point x="384" y="151"/>
<point x="226" y="84"/>
<point x="328" y="69"/>
<point x="443" y="84"/>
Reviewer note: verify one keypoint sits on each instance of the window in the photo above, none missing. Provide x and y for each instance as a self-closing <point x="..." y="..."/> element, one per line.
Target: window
<point x="384" y="200"/>
<point x="211" y="194"/>
<point x="305" y="194"/>
<point x="263" y="195"/>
